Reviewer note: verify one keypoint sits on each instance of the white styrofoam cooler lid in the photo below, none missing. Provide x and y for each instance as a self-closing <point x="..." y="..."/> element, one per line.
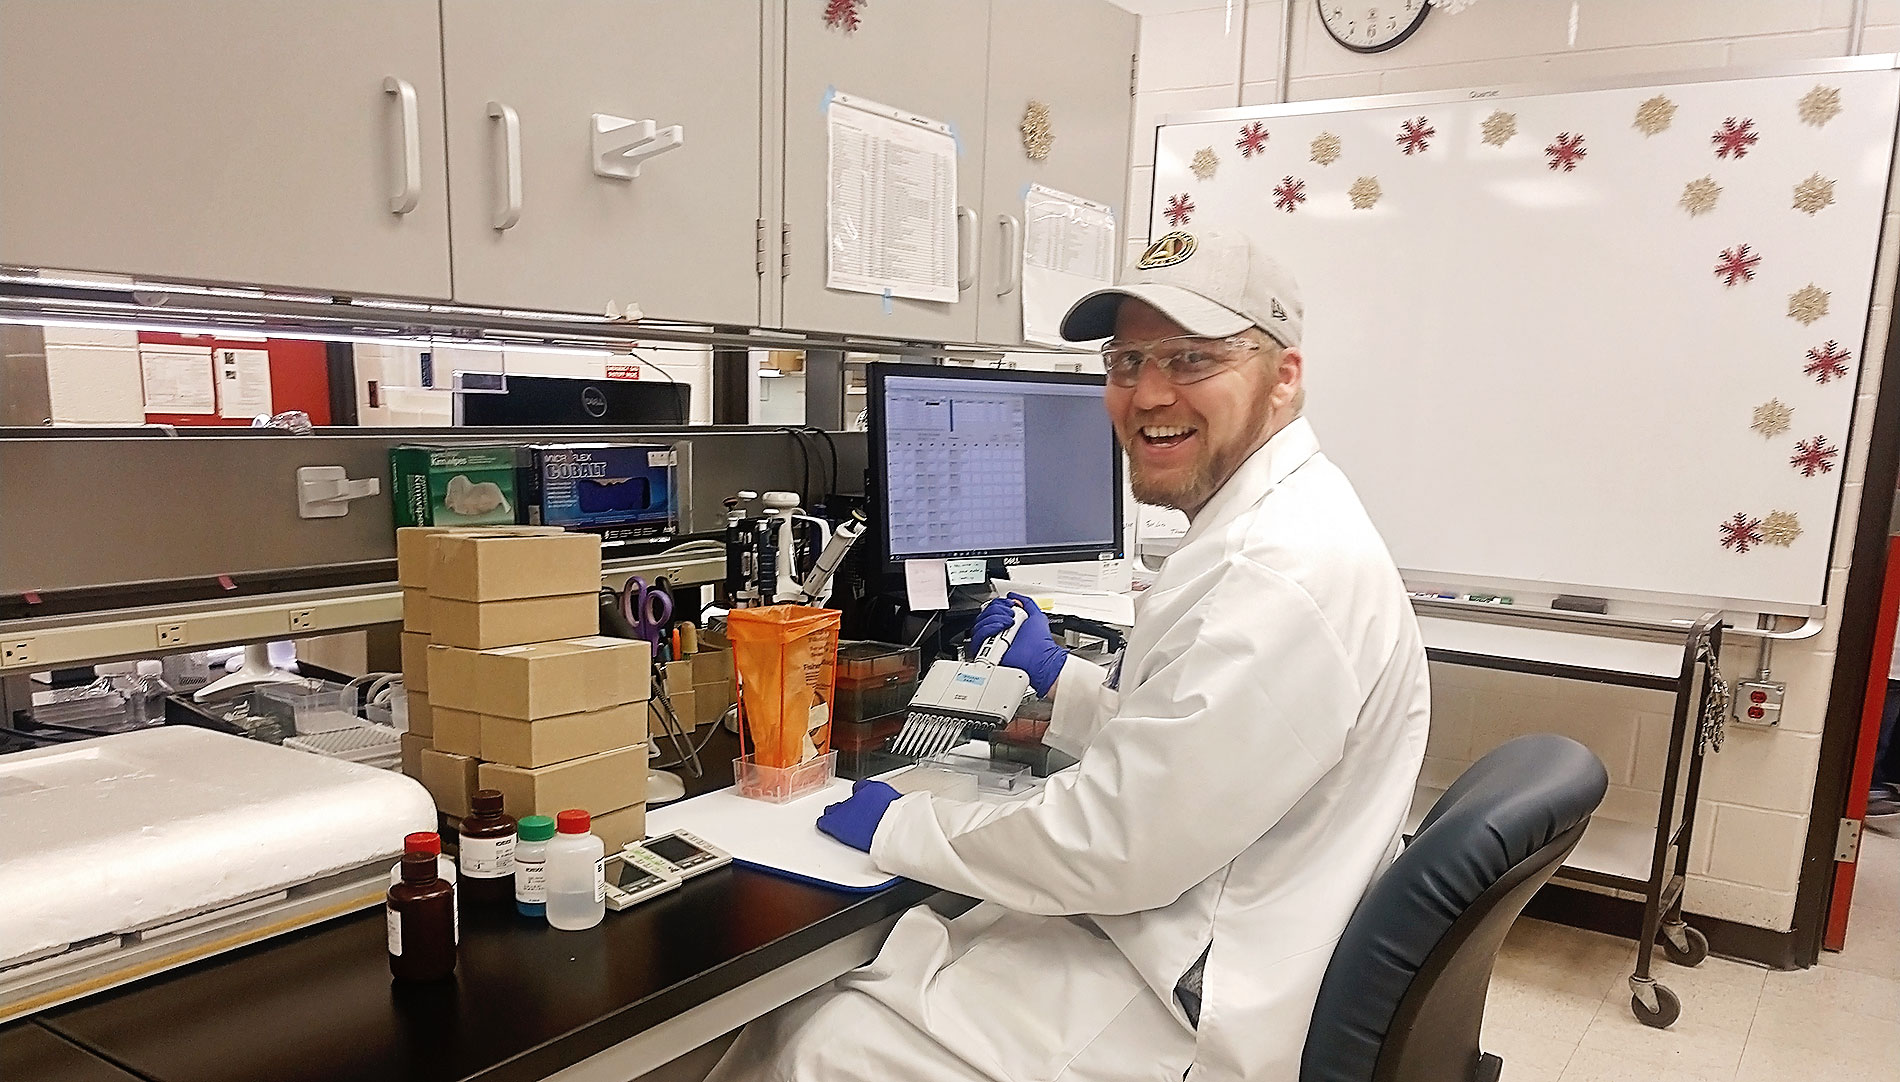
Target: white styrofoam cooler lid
<point x="129" y="830"/>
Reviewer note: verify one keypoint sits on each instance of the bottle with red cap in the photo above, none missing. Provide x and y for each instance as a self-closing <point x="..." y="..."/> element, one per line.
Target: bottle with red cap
<point x="576" y="873"/>
<point x="420" y="911"/>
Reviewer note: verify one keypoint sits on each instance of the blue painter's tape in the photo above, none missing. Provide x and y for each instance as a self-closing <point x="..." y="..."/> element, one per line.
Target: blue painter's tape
<point x="824" y="103"/>
<point x="955" y="138"/>
<point x="888" y="307"/>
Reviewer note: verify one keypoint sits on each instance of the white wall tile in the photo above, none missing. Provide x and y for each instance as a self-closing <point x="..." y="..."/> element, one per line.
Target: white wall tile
<point x="1758" y="848"/>
<point x="1145" y="8"/>
<point x="1778" y="48"/>
<point x="1807" y="673"/>
<point x="1881" y="39"/>
<point x="1260" y="50"/>
<point x="1190" y="49"/>
<point x="1316" y="87"/>
<point x="1141" y="188"/>
<point x="1764" y="768"/>
<point x="1492" y="30"/>
<point x="1700" y="841"/>
<point x="1611" y="23"/>
<point x="1739" y="902"/>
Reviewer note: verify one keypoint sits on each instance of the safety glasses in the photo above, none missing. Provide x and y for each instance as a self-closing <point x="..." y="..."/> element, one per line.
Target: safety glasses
<point x="1183" y="360"/>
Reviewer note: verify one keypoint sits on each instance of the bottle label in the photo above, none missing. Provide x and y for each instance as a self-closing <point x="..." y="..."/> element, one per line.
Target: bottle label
<point x="395" y="931"/>
<point x="455" y="913"/>
<point x="488" y="858"/>
<point x="600" y="880"/>
<point x="531" y="882"/>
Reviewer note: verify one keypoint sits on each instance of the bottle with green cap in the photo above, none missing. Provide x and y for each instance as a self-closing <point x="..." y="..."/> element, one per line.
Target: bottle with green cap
<point x="531" y="861"/>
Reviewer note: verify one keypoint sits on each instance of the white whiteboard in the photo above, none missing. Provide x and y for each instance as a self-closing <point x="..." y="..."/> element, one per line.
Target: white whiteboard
<point x="1533" y="374"/>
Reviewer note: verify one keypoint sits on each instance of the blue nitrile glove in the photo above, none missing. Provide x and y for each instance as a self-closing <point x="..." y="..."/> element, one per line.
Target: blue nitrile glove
<point x="854" y="819"/>
<point x="1033" y="650"/>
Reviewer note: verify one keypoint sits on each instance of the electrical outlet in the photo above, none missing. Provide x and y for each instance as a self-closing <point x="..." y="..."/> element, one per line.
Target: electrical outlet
<point x="18" y="652"/>
<point x="303" y="619"/>
<point x="171" y="634"/>
<point x="1758" y="702"/>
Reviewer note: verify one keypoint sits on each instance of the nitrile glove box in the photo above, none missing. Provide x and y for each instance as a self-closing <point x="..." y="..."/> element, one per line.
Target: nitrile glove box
<point x="621" y="491"/>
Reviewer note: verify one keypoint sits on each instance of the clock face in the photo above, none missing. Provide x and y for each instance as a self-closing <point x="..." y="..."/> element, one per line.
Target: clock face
<point x="1372" y="27"/>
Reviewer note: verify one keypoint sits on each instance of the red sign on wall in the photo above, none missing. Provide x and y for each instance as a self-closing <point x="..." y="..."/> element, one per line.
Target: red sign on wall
<point x="623" y="371"/>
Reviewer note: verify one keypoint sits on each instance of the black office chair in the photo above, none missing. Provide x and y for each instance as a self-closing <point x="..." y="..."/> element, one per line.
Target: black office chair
<point x="1403" y="998"/>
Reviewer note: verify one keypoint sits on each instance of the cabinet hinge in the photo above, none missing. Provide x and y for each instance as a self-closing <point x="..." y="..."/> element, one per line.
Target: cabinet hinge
<point x="1847" y="842"/>
<point x="1134" y="70"/>
<point x="785" y="251"/>
<point x="758" y="246"/>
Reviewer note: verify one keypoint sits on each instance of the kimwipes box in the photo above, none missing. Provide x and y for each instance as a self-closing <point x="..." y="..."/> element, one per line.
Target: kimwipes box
<point x="483" y="625"/>
<point x="555" y="740"/>
<point x="597" y="784"/>
<point x="542" y="680"/>
<point x="483" y="566"/>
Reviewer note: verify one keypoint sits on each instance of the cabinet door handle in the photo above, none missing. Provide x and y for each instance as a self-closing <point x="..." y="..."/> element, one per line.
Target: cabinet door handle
<point x="1012" y="254"/>
<point x="966" y="248"/>
<point x="509" y="212"/>
<point x="410" y="190"/>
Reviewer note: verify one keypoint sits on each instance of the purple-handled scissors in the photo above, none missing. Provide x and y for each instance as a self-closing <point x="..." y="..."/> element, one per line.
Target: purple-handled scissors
<point x="648" y="609"/>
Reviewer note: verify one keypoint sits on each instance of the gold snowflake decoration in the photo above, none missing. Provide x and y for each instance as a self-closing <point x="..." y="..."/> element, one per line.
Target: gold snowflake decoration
<point x="1820" y="105"/>
<point x="1364" y="192"/>
<point x="1204" y="163"/>
<point x="1772" y="418"/>
<point x="1325" y="148"/>
<point x="1038" y="130"/>
<point x="1813" y="193"/>
<point x="1655" y="114"/>
<point x="1698" y="196"/>
<point x="1781" y="528"/>
<point x="1807" y="304"/>
<point x="1499" y="127"/>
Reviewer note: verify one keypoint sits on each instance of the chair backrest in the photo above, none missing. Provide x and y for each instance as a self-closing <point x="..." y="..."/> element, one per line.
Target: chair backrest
<point x="1403" y="997"/>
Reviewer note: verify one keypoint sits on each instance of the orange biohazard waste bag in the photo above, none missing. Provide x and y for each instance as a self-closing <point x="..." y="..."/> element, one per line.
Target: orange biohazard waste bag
<point x="786" y="657"/>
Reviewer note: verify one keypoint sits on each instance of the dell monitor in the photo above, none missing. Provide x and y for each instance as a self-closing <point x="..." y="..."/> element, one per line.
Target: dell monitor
<point x="978" y="462"/>
<point x="558" y="401"/>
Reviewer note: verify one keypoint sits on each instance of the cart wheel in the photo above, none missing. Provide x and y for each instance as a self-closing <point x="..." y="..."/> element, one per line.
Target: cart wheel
<point x="1693" y="950"/>
<point x="1669" y="1009"/>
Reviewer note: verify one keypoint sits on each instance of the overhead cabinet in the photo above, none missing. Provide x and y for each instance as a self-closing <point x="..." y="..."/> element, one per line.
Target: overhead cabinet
<point x="295" y="145"/>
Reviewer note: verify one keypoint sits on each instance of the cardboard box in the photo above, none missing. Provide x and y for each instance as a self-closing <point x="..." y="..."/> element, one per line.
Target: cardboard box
<point x="599" y="784"/>
<point x="412" y="745"/>
<point x="617" y="828"/>
<point x="458" y="732"/>
<point x="482" y="566"/>
<point x="421" y="713"/>
<point x="685" y="707"/>
<point x="555" y="740"/>
<point x="542" y="680"/>
<point x="415" y="609"/>
<point x="484" y="625"/>
<point x="467" y="485"/>
<point x="678" y="676"/>
<point x="415" y="662"/>
<point x="414" y="551"/>
<point x="451" y="780"/>
<point x="711" y="701"/>
<point x="712" y="667"/>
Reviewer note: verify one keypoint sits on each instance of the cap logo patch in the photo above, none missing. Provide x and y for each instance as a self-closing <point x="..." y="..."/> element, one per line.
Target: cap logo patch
<point x="1169" y="249"/>
<point x="1278" y="312"/>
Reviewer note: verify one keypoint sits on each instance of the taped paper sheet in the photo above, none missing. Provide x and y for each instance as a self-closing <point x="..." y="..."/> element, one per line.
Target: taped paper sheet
<point x="1068" y="251"/>
<point x="243" y="383"/>
<point x="891" y="206"/>
<point x="178" y="379"/>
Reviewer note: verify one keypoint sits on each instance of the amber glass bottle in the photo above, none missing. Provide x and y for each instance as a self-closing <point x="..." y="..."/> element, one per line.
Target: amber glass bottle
<point x="422" y="932"/>
<point x="487" y="852"/>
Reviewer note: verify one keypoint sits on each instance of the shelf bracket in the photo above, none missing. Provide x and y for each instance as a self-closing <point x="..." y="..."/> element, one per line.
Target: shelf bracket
<point x="621" y="145"/>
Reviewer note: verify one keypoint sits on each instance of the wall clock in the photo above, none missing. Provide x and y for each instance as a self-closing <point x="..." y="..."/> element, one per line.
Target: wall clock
<point x="1372" y="27"/>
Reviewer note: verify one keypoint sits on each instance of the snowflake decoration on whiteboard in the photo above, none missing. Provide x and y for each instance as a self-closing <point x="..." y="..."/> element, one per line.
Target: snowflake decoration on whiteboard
<point x="1737" y="265"/>
<point x="1180" y="209"/>
<point x="1813" y="194"/>
<point x="1253" y="139"/>
<point x="1325" y="149"/>
<point x="1827" y="363"/>
<point x="1566" y="152"/>
<point x="1780" y="528"/>
<point x="1733" y="138"/>
<point x="1415" y="136"/>
<point x="1807" y="304"/>
<point x="1813" y="456"/>
<point x="1698" y="196"/>
<point x="1289" y="194"/>
<point x="1741" y="533"/>
<point x="1655" y="115"/>
<point x="842" y="14"/>
<point x="1364" y="193"/>
<point x="1204" y="163"/>
<point x="1820" y="105"/>
<point x="1499" y="127"/>
<point x="1772" y="418"/>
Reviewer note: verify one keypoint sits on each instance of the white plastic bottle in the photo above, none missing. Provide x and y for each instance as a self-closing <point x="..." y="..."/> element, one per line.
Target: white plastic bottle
<point x="576" y="874"/>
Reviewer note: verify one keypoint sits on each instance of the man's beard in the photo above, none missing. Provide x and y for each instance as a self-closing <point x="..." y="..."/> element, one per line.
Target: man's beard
<point x="1191" y="493"/>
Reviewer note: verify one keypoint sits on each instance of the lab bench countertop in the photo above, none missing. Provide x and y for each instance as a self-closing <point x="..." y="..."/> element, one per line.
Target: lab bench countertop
<point x="526" y="1000"/>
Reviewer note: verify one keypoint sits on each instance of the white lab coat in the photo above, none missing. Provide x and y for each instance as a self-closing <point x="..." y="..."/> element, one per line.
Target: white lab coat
<point x="1239" y="787"/>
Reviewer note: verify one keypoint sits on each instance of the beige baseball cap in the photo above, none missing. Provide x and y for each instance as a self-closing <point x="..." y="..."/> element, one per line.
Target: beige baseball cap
<point x="1213" y="284"/>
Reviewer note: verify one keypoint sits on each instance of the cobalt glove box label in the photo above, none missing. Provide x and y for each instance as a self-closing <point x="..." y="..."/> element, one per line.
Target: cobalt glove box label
<point x="623" y="492"/>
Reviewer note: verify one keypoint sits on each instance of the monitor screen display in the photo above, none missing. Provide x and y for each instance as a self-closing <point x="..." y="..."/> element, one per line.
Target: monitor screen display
<point x="988" y="463"/>
<point x="553" y="401"/>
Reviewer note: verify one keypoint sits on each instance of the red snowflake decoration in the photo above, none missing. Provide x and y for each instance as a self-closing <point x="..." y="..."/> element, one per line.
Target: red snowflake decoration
<point x="842" y="14"/>
<point x="1289" y="194"/>
<point x="1741" y="533"/>
<point x="1180" y="208"/>
<point x="1414" y="136"/>
<point x="1566" y="152"/>
<point x="1733" y="138"/>
<point x="1814" y="456"/>
<point x="1253" y="139"/>
<point x="1828" y="362"/>
<point x="1737" y="265"/>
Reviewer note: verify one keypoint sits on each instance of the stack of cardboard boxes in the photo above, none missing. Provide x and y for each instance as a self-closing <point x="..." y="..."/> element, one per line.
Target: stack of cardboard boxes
<point x="700" y="687"/>
<point x="509" y="686"/>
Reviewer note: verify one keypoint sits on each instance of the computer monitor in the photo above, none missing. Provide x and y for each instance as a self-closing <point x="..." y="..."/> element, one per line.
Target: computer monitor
<point x="531" y="401"/>
<point x="981" y="462"/>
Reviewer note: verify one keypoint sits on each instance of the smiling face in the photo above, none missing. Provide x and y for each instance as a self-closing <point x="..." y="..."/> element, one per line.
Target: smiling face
<point x="1185" y="440"/>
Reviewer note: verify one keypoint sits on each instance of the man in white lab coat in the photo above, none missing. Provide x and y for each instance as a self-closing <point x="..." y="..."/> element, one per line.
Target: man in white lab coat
<point x="1166" y="908"/>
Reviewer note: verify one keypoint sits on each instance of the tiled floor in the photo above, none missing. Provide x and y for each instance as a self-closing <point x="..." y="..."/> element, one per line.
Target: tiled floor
<point x="1559" y="1004"/>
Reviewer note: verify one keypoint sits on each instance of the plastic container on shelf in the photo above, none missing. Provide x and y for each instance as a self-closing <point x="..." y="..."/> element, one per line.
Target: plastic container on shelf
<point x="875" y="679"/>
<point x="309" y="706"/>
<point x="776" y="785"/>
